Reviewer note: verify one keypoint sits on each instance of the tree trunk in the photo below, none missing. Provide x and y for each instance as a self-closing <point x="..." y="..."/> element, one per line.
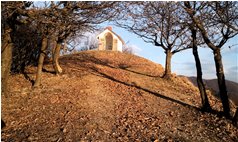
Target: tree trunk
<point x="6" y="59"/>
<point x="205" y="103"/>
<point x="235" y="118"/>
<point x="40" y="62"/>
<point x="167" y="73"/>
<point x="221" y="82"/>
<point x="217" y="58"/>
<point x="56" y="54"/>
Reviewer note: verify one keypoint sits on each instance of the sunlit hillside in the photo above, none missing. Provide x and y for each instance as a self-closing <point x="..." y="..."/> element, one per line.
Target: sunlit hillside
<point x="109" y="96"/>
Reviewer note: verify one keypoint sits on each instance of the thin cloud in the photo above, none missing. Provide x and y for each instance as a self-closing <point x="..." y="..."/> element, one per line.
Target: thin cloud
<point x="135" y="49"/>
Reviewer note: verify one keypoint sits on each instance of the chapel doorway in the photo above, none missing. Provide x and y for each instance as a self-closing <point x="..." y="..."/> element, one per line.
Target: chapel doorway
<point x="109" y="41"/>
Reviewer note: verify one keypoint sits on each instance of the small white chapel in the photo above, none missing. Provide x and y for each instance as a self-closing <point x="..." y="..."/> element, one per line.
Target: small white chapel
<point x="109" y="40"/>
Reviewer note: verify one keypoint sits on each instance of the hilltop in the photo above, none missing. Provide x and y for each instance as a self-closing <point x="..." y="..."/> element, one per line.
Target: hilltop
<point x="109" y="96"/>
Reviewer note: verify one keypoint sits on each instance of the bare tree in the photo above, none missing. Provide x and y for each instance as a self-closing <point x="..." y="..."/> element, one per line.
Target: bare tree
<point x="166" y="25"/>
<point x="59" y="20"/>
<point x="217" y="23"/>
<point x="196" y="41"/>
<point x="128" y="49"/>
<point x="56" y="20"/>
<point x="204" y="99"/>
<point x="92" y="14"/>
<point x="10" y="13"/>
<point x="157" y="23"/>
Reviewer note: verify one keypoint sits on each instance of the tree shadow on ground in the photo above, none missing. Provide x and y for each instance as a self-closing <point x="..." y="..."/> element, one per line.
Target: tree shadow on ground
<point x="48" y="71"/>
<point x="218" y="113"/>
<point x="85" y="60"/>
<point x="94" y="70"/>
<point x="27" y="77"/>
<point x="127" y="69"/>
<point x="32" y="81"/>
<point x="144" y="89"/>
<point x="2" y="124"/>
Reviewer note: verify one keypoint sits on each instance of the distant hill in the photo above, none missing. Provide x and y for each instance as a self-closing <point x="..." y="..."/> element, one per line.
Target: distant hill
<point x="232" y="87"/>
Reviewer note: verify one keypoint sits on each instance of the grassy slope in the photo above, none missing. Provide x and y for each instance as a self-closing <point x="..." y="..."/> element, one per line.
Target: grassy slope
<point x="109" y="96"/>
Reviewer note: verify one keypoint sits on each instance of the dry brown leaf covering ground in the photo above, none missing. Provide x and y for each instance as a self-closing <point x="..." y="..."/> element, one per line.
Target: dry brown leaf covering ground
<point x="109" y="96"/>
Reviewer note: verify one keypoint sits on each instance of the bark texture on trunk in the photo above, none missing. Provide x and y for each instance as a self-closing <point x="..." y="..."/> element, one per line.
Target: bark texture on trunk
<point x="205" y="103"/>
<point x="56" y="55"/>
<point x="6" y="59"/>
<point x="40" y="62"/>
<point x="167" y="73"/>
<point x="221" y="82"/>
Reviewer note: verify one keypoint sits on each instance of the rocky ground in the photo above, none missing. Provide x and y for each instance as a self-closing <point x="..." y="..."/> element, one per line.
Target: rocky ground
<point x="109" y="96"/>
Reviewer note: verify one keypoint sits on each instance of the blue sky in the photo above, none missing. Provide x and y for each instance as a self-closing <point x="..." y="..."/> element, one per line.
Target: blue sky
<point x="183" y="63"/>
